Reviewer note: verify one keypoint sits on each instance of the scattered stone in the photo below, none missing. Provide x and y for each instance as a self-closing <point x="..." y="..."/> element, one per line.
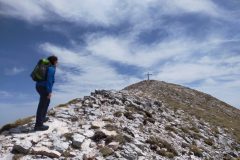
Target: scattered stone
<point x="114" y="145"/>
<point x="86" y="145"/>
<point x="60" y="146"/>
<point x="98" y="124"/>
<point x="120" y="125"/>
<point x="77" y="140"/>
<point x="89" y="156"/>
<point x="88" y="133"/>
<point x="45" y="152"/>
<point x="109" y="133"/>
<point x="22" y="147"/>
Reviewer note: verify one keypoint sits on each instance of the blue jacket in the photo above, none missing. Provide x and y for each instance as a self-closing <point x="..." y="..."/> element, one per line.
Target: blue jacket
<point x="50" y="79"/>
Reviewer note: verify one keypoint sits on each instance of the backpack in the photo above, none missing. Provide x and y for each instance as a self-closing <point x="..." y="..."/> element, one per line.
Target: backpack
<point x="40" y="71"/>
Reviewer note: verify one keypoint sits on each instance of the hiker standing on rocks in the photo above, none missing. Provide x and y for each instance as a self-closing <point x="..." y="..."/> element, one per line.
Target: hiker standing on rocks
<point x="44" y="75"/>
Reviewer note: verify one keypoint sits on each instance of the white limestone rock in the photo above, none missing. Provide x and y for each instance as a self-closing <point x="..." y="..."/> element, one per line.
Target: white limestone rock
<point x="46" y="152"/>
<point x="98" y="124"/>
<point x="88" y="133"/>
<point x="114" y="145"/>
<point x="22" y="147"/>
<point x="86" y="145"/>
<point x="77" y="140"/>
<point x="60" y="146"/>
<point x="109" y="133"/>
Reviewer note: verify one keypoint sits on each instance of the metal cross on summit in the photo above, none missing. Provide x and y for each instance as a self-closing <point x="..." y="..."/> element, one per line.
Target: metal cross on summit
<point x="148" y="76"/>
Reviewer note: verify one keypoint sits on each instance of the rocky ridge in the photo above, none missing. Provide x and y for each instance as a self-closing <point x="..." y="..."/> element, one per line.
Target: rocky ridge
<point x="198" y="104"/>
<point x="119" y="125"/>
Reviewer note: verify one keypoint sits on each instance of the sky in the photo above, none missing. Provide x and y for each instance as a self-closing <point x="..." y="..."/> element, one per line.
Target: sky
<point x="114" y="43"/>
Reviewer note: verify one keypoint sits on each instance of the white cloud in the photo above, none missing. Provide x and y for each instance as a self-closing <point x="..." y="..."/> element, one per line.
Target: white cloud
<point x="105" y="13"/>
<point x="28" y="10"/>
<point x="190" y="72"/>
<point x="181" y="60"/>
<point x="13" y="71"/>
<point x="178" y="58"/>
<point x="125" y="50"/>
<point x="203" y="6"/>
<point x="89" y="74"/>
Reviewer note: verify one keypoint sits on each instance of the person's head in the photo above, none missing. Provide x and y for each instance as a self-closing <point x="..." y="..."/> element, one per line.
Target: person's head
<point x="53" y="60"/>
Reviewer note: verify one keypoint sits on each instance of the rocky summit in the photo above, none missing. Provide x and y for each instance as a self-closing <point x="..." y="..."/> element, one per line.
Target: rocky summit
<point x="150" y="120"/>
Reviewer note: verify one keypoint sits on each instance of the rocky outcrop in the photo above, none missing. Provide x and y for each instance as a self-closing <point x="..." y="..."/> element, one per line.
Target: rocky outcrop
<point x="119" y="125"/>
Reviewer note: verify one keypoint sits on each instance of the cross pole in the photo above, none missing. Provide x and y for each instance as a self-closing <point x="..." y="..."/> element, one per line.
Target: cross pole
<point x="148" y="76"/>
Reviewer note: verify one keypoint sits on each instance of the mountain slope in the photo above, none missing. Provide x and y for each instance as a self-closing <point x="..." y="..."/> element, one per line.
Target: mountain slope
<point x="124" y="125"/>
<point x="192" y="102"/>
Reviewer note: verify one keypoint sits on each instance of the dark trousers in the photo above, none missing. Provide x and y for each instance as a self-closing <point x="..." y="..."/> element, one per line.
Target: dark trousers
<point x="42" y="106"/>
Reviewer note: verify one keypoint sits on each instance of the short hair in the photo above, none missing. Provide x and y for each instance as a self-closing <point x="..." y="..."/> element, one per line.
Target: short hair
<point x="52" y="59"/>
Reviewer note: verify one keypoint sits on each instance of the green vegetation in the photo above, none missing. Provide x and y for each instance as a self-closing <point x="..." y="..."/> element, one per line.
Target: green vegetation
<point x="164" y="153"/>
<point x="162" y="144"/>
<point x="210" y="115"/>
<point x="196" y="135"/>
<point x="17" y="123"/>
<point x="131" y="108"/>
<point x="68" y="136"/>
<point x="215" y="131"/>
<point x="108" y="120"/>
<point x="62" y="105"/>
<point x="194" y="103"/>
<point x="171" y="128"/>
<point x="185" y="130"/>
<point x="106" y="151"/>
<point x="195" y="129"/>
<point x="129" y="115"/>
<point x="74" y="101"/>
<point x="209" y="141"/>
<point x="111" y="127"/>
<point x="197" y="151"/>
<point x="120" y="137"/>
<point x="118" y="114"/>
<point x="65" y="105"/>
<point x="17" y="156"/>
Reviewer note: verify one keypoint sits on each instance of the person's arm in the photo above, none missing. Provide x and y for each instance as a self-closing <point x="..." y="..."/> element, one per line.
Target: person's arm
<point x="50" y="79"/>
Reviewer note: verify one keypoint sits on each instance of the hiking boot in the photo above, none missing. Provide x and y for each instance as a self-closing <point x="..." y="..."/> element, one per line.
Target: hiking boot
<point x="41" y="128"/>
<point x="46" y="119"/>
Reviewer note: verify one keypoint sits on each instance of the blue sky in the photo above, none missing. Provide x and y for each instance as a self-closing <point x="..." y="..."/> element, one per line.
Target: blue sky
<point x="111" y="44"/>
